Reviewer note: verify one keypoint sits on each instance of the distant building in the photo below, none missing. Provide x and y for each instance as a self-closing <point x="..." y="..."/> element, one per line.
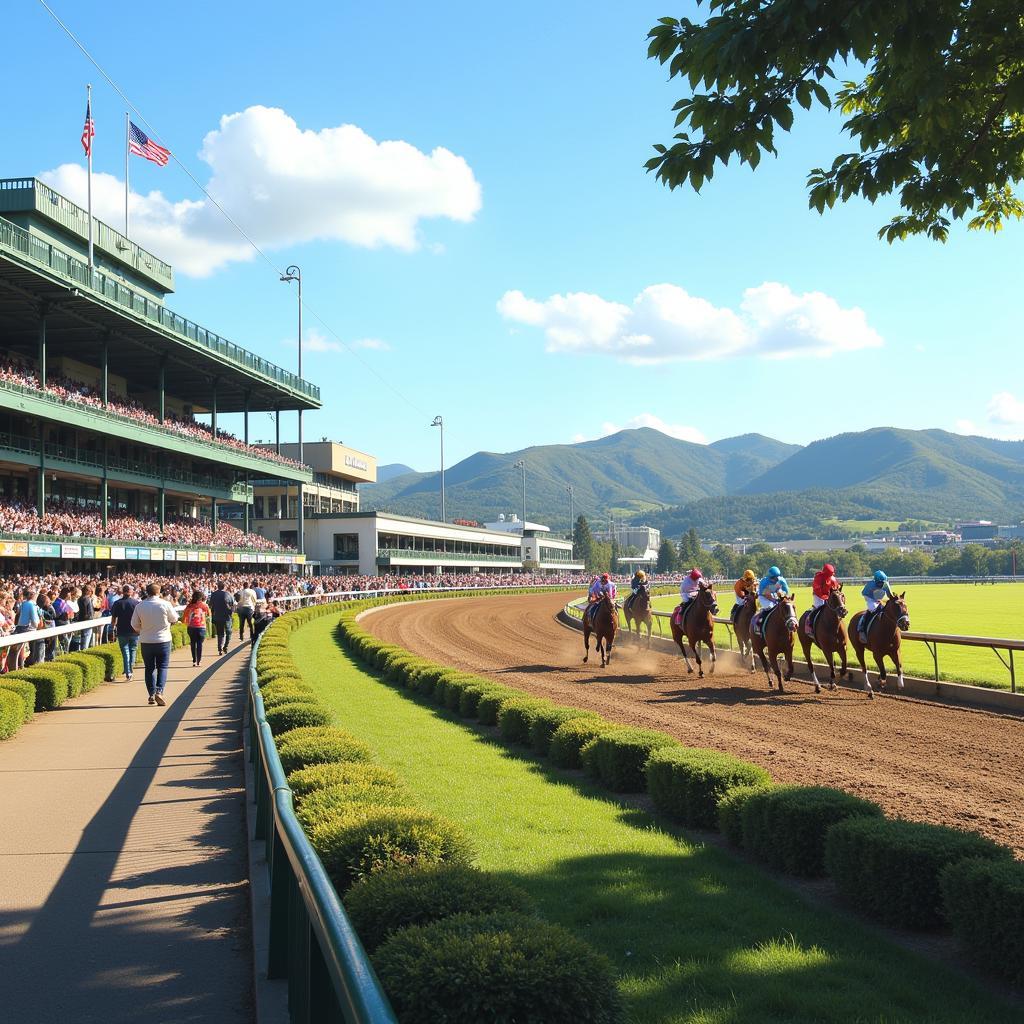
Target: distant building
<point x="982" y="529"/>
<point x="541" y="551"/>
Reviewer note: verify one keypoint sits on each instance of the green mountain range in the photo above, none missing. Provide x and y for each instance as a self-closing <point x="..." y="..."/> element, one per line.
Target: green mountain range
<point x="749" y="485"/>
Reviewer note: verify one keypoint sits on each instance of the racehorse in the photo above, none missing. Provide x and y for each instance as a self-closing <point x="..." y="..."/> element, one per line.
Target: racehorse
<point x="780" y="625"/>
<point x="638" y="610"/>
<point x="698" y="626"/>
<point x="883" y="639"/>
<point x="603" y="626"/>
<point x="829" y="635"/>
<point x="742" y="627"/>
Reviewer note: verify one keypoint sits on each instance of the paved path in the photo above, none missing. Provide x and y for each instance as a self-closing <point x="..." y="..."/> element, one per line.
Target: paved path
<point x="123" y="877"/>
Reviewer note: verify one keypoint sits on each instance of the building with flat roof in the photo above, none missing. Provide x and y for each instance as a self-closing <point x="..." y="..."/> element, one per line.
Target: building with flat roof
<point x="375" y="543"/>
<point x="101" y="385"/>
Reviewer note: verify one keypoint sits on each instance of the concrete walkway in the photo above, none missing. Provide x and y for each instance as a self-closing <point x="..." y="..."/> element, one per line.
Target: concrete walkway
<point x="123" y="876"/>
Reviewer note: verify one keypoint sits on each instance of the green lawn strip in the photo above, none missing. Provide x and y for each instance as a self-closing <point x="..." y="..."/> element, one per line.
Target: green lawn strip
<point x="695" y="935"/>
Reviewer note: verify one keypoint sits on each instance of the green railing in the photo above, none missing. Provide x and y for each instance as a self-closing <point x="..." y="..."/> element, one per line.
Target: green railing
<point x="107" y="542"/>
<point x="400" y="554"/>
<point x="137" y="467"/>
<point x="312" y="943"/>
<point x="77" y="271"/>
<point x="218" y="449"/>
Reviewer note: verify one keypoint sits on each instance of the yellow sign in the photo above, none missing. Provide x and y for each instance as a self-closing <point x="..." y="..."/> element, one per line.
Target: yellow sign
<point x="13" y="549"/>
<point x="102" y="552"/>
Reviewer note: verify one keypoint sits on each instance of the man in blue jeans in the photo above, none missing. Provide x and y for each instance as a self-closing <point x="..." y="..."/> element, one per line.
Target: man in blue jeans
<point x="121" y="611"/>
<point x="153" y="619"/>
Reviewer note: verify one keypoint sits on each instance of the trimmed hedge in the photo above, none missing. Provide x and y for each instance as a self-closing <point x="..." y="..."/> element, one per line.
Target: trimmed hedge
<point x="490" y="702"/>
<point x="515" y="718"/>
<point x="12" y="713"/>
<point x="362" y="839"/>
<point x="52" y="684"/>
<point x="786" y="826"/>
<point x="890" y="868"/>
<point x="730" y="811"/>
<point x="686" y="784"/>
<point x="469" y="699"/>
<point x="548" y="719"/>
<point x="569" y="739"/>
<point x="278" y="673"/>
<point x="382" y="904"/>
<point x="299" y="748"/>
<point x="24" y="689"/>
<point x="93" y="669"/>
<point x="324" y="803"/>
<point x="304" y="781"/>
<point x="983" y="900"/>
<point x="285" y="717"/>
<point x="617" y="758"/>
<point x="288" y="696"/>
<point x="501" y="967"/>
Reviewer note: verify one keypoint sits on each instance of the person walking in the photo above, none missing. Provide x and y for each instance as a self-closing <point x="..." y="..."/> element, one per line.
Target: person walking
<point x="222" y="611"/>
<point x="246" y="610"/>
<point x="196" y="615"/>
<point x="153" y="619"/>
<point x="127" y="636"/>
<point x="86" y="613"/>
<point x="28" y="620"/>
<point x="45" y="649"/>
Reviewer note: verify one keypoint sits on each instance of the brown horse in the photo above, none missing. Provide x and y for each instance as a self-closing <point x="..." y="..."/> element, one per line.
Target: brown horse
<point x="778" y="638"/>
<point x="742" y="626"/>
<point x="605" y="623"/>
<point x="638" y="610"/>
<point x="883" y="639"/>
<point x="829" y="635"/>
<point x="698" y="625"/>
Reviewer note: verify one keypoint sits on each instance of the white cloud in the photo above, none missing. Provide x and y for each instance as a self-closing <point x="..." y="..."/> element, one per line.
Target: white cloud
<point x="647" y="419"/>
<point x="375" y="344"/>
<point x="286" y="185"/>
<point x="1004" y="419"/>
<point x="665" y="323"/>
<point x="314" y="341"/>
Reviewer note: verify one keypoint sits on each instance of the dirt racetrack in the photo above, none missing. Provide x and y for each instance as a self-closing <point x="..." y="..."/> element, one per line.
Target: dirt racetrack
<point x="917" y="759"/>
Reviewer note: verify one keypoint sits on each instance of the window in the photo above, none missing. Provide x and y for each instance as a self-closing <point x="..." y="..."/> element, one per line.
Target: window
<point x="346" y="547"/>
<point x="271" y="507"/>
<point x="258" y="505"/>
<point x="290" y="538"/>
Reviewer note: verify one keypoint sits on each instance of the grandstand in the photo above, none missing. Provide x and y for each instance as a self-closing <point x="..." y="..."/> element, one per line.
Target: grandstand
<point x="110" y="447"/>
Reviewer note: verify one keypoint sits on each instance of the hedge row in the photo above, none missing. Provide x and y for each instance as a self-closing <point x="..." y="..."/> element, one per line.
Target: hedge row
<point x="48" y="685"/>
<point x="422" y="911"/>
<point x="903" y="873"/>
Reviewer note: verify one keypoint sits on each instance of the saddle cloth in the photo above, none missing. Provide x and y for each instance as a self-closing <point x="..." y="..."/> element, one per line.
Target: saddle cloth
<point x="761" y="618"/>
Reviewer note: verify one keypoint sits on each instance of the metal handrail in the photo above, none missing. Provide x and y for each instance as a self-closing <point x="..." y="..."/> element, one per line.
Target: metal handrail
<point x="32" y="635"/>
<point x="312" y="942"/>
<point x="107" y="542"/>
<point x="447" y="556"/>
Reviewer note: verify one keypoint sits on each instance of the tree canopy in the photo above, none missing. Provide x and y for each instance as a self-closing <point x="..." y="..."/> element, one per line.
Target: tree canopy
<point x="937" y="114"/>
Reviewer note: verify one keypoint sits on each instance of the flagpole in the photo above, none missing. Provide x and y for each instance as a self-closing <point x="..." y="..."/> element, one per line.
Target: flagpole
<point x="88" y="107"/>
<point x="126" y="134"/>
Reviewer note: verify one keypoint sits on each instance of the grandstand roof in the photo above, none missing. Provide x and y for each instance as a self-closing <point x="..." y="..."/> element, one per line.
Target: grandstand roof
<point x="85" y="306"/>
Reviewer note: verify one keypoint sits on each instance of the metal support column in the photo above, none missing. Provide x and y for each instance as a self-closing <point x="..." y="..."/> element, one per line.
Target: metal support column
<point x="104" y="487"/>
<point x="213" y="514"/>
<point x="213" y="410"/>
<point x="41" y="488"/>
<point x="161" y="506"/>
<point x="245" y="477"/>
<point x="277" y="430"/>
<point x="162" y="389"/>
<point x="105" y="371"/>
<point x="43" y="310"/>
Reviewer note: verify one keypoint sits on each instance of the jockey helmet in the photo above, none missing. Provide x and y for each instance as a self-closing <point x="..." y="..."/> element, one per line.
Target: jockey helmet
<point x="774" y="571"/>
<point x="749" y="575"/>
<point x="605" y="577"/>
<point x="695" y="574"/>
<point x="880" y="576"/>
<point x="828" y="569"/>
<point x="641" y="574"/>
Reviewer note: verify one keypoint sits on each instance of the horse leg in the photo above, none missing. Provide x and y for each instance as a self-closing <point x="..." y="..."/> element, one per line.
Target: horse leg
<point x="789" y="662"/>
<point x="714" y="654"/>
<point x="764" y="665"/>
<point x="805" y="643"/>
<point x="844" y="669"/>
<point x="608" y="644"/>
<point x="899" y="669"/>
<point x="586" y="646"/>
<point x="831" y="669"/>
<point x="682" y="647"/>
<point x="880" y="662"/>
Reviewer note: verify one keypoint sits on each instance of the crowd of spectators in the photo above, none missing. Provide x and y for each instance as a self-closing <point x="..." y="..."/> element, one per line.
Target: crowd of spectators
<point x="63" y="519"/>
<point x="76" y="392"/>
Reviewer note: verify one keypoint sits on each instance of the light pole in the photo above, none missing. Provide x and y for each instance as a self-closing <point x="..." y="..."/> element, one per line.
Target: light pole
<point x="439" y="422"/>
<point x="572" y="520"/>
<point x="293" y="273"/>
<point x="520" y="464"/>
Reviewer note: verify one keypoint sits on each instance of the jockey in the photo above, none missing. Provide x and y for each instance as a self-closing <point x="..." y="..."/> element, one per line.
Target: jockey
<point x="690" y="585"/>
<point x="743" y="587"/>
<point x="771" y="588"/>
<point x="822" y="586"/>
<point x="602" y="585"/>
<point x="638" y="581"/>
<point x="875" y="591"/>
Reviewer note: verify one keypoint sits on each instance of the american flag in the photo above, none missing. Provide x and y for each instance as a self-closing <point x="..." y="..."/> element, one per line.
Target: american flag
<point x="89" y="130"/>
<point x="140" y="144"/>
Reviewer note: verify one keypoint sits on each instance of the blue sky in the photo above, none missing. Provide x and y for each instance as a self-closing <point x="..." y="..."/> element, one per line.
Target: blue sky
<point x="521" y="178"/>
